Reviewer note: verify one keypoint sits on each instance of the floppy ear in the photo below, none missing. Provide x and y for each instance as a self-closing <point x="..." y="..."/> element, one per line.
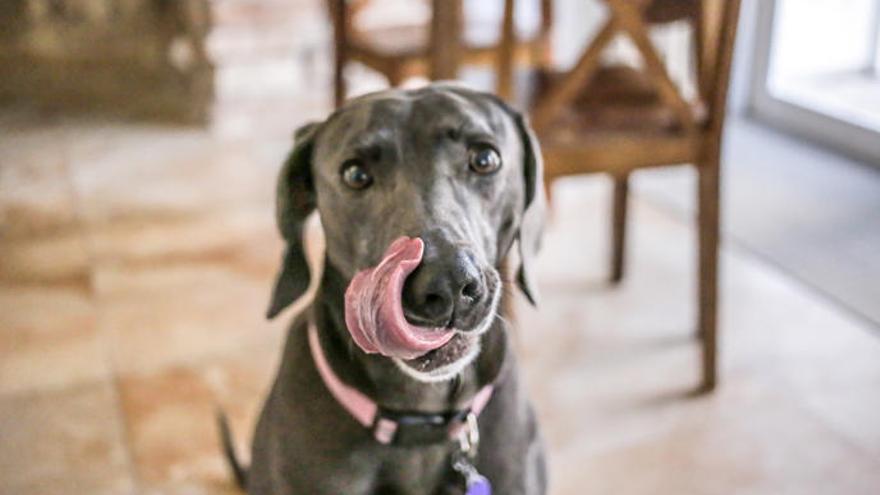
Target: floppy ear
<point x="294" y="202"/>
<point x="532" y="222"/>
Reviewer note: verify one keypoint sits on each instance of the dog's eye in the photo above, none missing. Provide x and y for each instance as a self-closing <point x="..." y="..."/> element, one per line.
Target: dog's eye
<point x="484" y="160"/>
<point x="355" y="176"/>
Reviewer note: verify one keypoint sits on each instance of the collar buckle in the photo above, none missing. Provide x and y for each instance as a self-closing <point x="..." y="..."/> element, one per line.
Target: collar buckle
<point x="469" y="436"/>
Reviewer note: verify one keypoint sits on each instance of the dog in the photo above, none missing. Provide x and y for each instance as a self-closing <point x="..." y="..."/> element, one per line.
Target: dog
<point x="399" y="377"/>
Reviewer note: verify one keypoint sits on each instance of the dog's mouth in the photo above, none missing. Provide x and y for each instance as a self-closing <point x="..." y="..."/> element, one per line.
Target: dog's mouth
<point x="375" y="319"/>
<point x="449" y="359"/>
<point x="444" y="362"/>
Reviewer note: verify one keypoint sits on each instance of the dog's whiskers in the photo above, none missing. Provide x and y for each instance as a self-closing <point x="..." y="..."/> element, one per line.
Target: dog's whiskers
<point x="504" y="320"/>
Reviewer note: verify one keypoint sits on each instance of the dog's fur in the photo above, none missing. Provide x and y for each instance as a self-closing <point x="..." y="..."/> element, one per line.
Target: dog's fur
<point x="305" y="442"/>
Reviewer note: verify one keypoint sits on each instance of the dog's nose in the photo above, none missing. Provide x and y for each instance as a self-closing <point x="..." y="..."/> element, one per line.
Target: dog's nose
<point x="441" y="288"/>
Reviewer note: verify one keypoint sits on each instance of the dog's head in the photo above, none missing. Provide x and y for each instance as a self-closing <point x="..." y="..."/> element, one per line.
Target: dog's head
<point x="456" y="168"/>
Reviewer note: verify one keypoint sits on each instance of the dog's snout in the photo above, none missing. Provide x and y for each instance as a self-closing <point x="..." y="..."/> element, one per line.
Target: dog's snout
<point x="444" y="286"/>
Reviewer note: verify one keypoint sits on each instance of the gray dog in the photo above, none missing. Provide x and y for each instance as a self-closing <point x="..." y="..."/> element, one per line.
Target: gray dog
<point x="421" y="194"/>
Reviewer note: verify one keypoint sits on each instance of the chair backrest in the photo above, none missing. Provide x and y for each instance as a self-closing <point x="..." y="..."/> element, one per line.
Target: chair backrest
<point x="713" y="24"/>
<point x="443" y="52"/>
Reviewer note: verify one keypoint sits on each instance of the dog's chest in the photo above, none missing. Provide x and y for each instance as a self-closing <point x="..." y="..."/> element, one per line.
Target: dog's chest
<point x="415" y="470"/>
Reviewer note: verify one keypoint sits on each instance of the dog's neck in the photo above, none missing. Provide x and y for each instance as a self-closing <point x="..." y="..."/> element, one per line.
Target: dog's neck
<point x="379" y="378"/>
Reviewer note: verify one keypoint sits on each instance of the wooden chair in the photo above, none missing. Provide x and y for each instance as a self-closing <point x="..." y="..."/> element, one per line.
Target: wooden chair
<point x="435" y="51"/>
<point x="616" y="119"/>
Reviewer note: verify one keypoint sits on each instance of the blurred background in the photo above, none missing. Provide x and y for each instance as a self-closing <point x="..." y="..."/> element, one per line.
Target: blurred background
<point x="710" y="319"/>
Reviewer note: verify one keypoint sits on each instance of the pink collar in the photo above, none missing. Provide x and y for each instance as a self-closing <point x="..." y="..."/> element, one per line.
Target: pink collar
<point x="366" y="411"/>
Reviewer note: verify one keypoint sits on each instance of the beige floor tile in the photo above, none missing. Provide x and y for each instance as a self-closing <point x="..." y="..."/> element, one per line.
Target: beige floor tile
<point x="245" y="239"/>
<point x="49" y="336"/>
<point x="170" y="416"/>
<point x="766" y="445"/>
<point x="36" y="195"/>
<point x="63" y="442"/>
<point x="182" y="314"/>
<point x="170" y="173"/>
<point x="55" y="260"/>
<point x="48" y="332"/>
<point x="186" y="292"/>
<point x="48" y="339"/>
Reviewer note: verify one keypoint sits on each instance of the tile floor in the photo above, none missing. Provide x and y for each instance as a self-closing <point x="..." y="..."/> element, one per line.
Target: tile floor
<point x="135" y="264"/>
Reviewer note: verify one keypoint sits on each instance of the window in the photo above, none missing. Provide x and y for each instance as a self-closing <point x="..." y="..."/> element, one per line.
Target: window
<point x="818" y="71"/>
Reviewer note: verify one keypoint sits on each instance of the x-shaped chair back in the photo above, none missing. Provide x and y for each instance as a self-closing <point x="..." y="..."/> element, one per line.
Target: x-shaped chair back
<point x="713" y="22"/>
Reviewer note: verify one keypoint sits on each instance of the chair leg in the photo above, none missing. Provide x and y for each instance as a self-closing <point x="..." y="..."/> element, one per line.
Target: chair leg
<point x="339" y="89"/>
<point x="544" y="58"/>
<point x="708" y="220"/>
<point x="618" y="226"/>
<point x="339" y="11"/>
<point x="548" y="189"/>
<point x="504" y="66"/>
<point x="395" y="77"/>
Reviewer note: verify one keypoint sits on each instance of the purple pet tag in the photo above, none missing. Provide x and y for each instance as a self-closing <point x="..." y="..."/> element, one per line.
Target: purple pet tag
<point x="479" y="486"/>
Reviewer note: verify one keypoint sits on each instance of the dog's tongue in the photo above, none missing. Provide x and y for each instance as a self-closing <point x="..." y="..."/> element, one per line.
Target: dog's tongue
<point x="374" y="311"/>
